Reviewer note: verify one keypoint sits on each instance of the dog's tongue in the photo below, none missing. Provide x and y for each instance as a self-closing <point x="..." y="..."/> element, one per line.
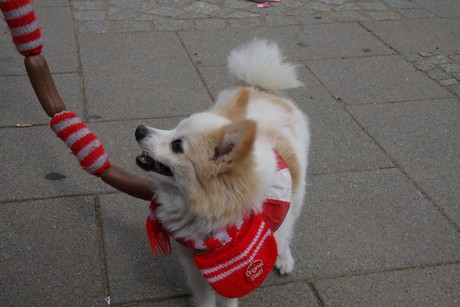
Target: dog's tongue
<point x="148" y="164"/>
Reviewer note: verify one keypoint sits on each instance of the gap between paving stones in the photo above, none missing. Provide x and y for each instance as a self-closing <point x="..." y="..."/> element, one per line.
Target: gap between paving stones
<point x="153" y="301"/>
<point x="401" y="169"/>
<point x="85" y="115"/>
<point x="316" y="293"/>
<point x="98" y="194"/>
<point x="197" y="70"/>
<point x="443" y="66"/>
<point x="9" y="201"/>
<point x="100" y="237"/>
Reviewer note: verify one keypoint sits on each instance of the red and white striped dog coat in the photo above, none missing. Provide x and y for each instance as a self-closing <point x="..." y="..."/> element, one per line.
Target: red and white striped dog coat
<point x="236" y="260"/>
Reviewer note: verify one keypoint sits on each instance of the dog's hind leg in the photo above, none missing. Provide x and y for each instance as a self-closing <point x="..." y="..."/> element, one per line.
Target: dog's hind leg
<point x="285" y="262"/>
<point x="283" y="236"/>
<point x="203" y="294"/>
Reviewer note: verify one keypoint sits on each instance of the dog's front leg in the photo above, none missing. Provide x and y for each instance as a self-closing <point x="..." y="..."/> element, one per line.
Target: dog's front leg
<point x="203" y="294"/>
<point x="229" y="302"/>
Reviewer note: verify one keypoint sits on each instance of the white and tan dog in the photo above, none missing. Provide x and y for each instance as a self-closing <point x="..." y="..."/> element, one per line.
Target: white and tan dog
<point x="218" y="166"/>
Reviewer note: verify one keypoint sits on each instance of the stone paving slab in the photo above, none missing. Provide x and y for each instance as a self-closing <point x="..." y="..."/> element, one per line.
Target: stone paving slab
<point x="295" y="294"/>
<point x="59" y="46"/>
<point x="50" y="254"/>
<point x="39" y="3"/>
<point x="211" y="47"/>
<point x="338" y="144"/>
<point x="361" y="221"/>
<point x="375" y="80"/>
<point x="175" y="302"/>
<point x="11" y="63"/>
<point x="27" y="108"/>
<point x="423" y="137"/>
<point x="37" y="164"/>
<point x="120" y="16"/>
<point x="442" y="8"/>
<point x="148" y="76"/>
<point x="432" y="286"/>
<point x="418" y="34"/>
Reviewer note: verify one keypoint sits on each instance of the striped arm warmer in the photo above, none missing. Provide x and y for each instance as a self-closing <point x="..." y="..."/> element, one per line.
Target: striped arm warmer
<point x="20" y="17"/>
<point x="83" y="143"/>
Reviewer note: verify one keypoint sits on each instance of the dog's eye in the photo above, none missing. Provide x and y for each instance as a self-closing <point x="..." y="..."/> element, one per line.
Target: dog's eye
<point x="177" y="146"/>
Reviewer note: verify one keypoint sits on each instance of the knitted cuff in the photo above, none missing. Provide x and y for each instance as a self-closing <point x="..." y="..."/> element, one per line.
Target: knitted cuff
<point x="20" y="17"/>
<point x="83" y="143"/>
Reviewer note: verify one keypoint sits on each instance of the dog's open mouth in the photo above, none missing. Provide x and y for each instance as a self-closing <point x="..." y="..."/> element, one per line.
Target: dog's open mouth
<point x="149" y="164"/>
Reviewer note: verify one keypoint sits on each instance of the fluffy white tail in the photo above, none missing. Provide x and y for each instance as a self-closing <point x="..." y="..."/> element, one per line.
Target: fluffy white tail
<point x="260" y="63"/>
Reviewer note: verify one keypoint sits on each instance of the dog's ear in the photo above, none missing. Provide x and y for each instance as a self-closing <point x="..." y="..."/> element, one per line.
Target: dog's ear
<point x="236" y="144"/>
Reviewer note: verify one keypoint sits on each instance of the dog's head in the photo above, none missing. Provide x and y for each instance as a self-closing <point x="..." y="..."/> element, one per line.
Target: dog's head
<point x="207" y="159"/>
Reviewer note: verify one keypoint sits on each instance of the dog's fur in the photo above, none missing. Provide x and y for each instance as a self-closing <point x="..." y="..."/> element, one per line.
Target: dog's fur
<point x="220" y="163"/>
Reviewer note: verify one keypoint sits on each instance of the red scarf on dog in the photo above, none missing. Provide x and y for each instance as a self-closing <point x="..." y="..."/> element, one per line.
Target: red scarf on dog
<point x="236" y="260"/>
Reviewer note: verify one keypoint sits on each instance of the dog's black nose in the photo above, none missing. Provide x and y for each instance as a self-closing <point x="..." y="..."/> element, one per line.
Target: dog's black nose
<point x="141" y="132"/>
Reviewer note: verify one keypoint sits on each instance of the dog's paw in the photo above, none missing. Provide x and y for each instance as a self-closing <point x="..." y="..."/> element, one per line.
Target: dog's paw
<point x="285" y="264"/>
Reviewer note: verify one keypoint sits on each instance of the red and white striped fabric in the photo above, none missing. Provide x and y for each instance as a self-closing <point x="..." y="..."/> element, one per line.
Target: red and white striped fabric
<point x="242" y="264"/>
<point x="20" y="17"/>
<point x="278" y="199"/>
<point x="83" y="143"/>
<point x="236" y="260"/>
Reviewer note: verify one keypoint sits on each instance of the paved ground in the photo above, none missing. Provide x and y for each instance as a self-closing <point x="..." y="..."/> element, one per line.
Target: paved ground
<point x="381" y="223"/>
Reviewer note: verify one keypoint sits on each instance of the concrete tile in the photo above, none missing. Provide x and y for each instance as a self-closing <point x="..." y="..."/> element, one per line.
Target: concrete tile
<point x="154" y="79"/>
<point x="38" y="3"/>
<point x="418" y="34"/>
<point x="295" y="294"/>
<point x="338" y="144"/>
<point x="375" y="80"/>
<point x="423" y="137"/>
<point x="11" y="62"/>
<point x="174" y="302"/>
<point x="433" y="286"/>
<point x="372" y="220"/>
<point x="211" y="47"/>
<point x="50" y="253"/>
<point x="37" y="164"/>
<point x="20" y="105"/>
<point x="134" y="274"/>
<point x="442" y="8"/>
<point x="59" y="46"/>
